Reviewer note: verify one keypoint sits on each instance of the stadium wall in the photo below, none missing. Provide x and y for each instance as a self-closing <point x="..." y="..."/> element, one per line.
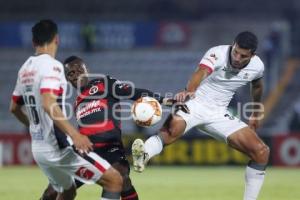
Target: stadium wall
<point x="196" y="150"/>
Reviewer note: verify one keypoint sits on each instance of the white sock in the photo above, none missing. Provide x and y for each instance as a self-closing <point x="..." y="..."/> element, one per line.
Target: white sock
<point x="254" y="179"/>
<point x="153" y="146"/>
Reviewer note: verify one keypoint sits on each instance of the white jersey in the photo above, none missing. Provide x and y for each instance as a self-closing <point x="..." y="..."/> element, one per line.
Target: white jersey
<point x="41" y="74"/>
<point x="219" y="87"/>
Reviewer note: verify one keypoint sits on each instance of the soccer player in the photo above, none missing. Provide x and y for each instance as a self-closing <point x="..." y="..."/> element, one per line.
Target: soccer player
<point x="41" y="88"/>
<point x="222" y="70"/>
<point x="97" y="110"/>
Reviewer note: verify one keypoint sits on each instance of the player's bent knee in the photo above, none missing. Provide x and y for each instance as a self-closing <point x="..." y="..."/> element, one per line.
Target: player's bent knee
<point x="174" y="130"/>
<point x="261" y="154"/>
<point x="111" y="180"/>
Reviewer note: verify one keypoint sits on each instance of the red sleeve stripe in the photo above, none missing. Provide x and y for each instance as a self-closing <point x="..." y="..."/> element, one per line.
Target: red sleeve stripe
<point x="18" y="100"/>
<point x="203" y="66"/>
<point x="49" y="90"/>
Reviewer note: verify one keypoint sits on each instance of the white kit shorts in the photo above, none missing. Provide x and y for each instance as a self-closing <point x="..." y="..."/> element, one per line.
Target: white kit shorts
<point x="215" y="121"/>
<point x="62" y="166"/>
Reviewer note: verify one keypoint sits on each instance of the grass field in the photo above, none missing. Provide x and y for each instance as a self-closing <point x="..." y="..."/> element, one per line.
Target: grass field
<point x="161" y="183"/>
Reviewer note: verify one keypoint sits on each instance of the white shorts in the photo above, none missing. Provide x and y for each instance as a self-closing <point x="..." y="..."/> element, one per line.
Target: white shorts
<point x="62" y="166"/>
<point x="212" y="120"/>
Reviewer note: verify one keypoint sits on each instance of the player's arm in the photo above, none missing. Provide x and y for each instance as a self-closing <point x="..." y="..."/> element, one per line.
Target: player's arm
<point x="51" y="107"/>
<point x="16" y="104"/>
<point x="197" y="77"/>
<point x="16" y="110"/>
<point x="256" y="94"/>
<point x="125" y="91"/>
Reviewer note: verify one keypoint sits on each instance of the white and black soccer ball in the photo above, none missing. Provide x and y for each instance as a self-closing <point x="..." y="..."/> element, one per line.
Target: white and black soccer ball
<point x="146" y="111"/>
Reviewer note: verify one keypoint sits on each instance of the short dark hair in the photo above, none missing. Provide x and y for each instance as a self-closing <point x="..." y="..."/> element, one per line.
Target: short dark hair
<point x="247" y="40"/>
<point x="71" y="59"/>
<point x="43" y="32"/>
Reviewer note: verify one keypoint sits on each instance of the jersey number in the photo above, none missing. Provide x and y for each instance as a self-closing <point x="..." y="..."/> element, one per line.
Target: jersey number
<point x="30" y="100"/>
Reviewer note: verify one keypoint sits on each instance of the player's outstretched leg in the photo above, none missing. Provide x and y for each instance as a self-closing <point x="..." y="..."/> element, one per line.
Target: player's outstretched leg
<point x="140" y="158"/>
<point x="172" y="129"/>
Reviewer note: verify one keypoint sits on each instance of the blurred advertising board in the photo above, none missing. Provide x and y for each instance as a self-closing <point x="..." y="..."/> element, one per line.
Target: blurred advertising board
<point x="106" y="35"/>
<point x="173" y="34"/>
<point x="286" y="150"/>
<point x="196" y="150"/>
<point x="16" y="149"/>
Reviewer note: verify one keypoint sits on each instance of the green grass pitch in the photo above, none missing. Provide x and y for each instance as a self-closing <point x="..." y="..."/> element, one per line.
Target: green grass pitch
<point x="159" y="183"/>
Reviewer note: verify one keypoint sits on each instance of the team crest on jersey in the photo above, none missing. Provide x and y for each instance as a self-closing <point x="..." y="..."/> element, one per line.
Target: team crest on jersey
<point x="213" y="56"/>
<point x="123" y="85"/>
<point x="84" y="173"/>
<point x="56" y="69"/>
<point x="246" y="76"/>
<point x="93" y="90"/>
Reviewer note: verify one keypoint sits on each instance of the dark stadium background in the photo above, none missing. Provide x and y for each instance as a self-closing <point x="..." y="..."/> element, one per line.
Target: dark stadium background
<point x="157" y="45"/>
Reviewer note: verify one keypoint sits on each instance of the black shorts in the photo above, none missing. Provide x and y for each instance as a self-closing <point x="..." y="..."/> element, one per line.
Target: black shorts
<point x="113" y="154"/>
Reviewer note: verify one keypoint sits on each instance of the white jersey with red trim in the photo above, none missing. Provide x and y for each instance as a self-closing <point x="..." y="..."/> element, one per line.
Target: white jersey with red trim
<point x="219" y="87"/>
<point x="41" y="74"/>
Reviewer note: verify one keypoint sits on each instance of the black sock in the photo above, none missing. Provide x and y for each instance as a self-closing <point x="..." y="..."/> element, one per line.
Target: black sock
<point x="110" y="195"/>
<point x="130" y="194"/>
<point x="257" y="166"/>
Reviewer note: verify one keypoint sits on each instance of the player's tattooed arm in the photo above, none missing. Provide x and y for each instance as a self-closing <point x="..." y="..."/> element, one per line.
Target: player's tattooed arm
<point x="199" y="75"/>
<point x="257" y="106"/>
<point x="256" y="93"/>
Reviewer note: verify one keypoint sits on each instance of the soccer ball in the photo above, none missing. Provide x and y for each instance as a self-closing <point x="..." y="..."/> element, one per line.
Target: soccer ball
<point x="146" y="111"/>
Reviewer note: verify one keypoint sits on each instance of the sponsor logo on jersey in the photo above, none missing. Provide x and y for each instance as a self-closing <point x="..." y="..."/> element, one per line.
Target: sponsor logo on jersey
<point x="123" y="85"/>
<point x="246" y="76"/>
<point x="230" y="70"/>
<point x="56" y="69"/>
<point x="113" y="149"/>
<point x="27" y="81"/>
<point x="229" y="116"/>
<point x="93" y="90"/>
<point x="89" y="108"/>
<point x="27" y="73"/>
<point x="85" y="173"/>
<point x="213" y="56"/>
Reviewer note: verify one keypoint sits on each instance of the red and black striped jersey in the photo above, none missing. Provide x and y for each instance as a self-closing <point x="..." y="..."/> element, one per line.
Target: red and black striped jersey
<point x="98" y="110"/>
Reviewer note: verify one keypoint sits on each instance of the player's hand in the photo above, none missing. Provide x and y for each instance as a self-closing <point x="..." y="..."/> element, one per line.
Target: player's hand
<point x="184" y="96"/>
<point x="82" y="143"/>
<point x="177" y="105"/>
<point x="168" y="102"/>
<point x="181" y="106"/>
<point x="254" y="122"/>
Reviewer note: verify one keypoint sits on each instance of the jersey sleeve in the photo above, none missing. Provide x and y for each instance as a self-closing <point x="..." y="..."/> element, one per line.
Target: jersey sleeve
<point x="209" y="60"/>
<point x="260" y="72"/>
<point x="52" y="79"/>
<point x="17" y="94"/>
<point x="126" y="90"/>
